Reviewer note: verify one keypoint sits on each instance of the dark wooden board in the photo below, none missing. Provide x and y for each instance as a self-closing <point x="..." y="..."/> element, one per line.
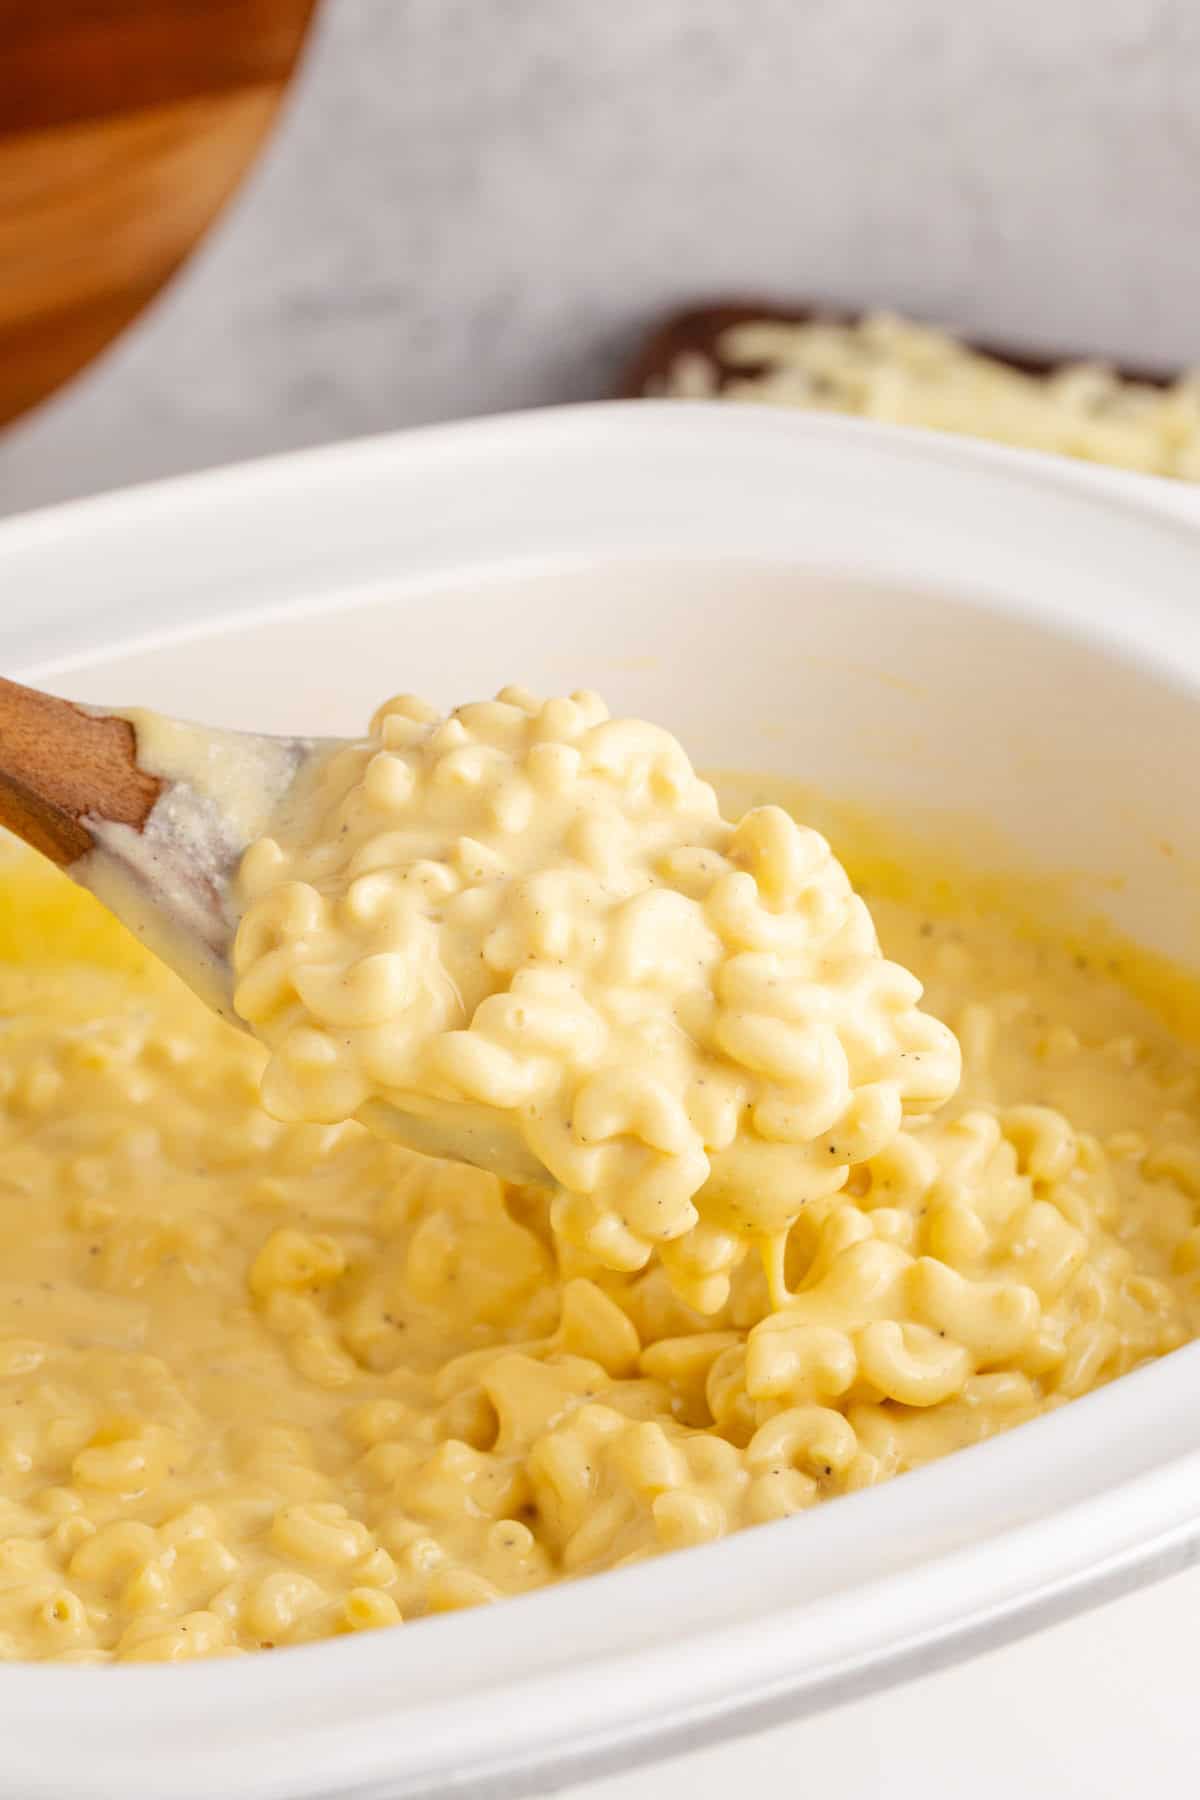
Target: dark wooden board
<point x="698" y="330"/>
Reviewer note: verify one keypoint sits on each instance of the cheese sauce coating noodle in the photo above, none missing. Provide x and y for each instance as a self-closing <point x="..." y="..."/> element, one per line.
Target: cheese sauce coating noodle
<point x="536" y="909"/>
<point x="266" y="1382"/>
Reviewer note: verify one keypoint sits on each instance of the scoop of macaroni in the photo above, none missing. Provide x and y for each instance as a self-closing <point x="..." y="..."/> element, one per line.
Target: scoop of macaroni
<point x="535" y="909"/>
<point x="264" y="1383"/>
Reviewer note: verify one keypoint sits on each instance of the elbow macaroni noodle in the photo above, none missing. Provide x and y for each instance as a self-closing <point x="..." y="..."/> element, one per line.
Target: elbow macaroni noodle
<point x="264" y="1381"/>
<point x="536" y="909"/>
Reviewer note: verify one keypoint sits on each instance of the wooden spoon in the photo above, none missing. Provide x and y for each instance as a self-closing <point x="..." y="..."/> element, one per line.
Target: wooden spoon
<point x="150" y="814"/>
<point x="153" y="816"/>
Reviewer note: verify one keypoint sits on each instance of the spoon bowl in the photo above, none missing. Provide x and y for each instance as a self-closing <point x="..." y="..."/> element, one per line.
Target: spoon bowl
<point x="153" y="816"/>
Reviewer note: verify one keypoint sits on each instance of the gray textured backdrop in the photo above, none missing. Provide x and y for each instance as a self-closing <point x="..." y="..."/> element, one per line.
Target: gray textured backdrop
<point x="477" y="204"/>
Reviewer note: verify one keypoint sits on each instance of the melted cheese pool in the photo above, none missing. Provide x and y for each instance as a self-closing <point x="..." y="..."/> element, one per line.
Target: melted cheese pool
<point x="262" y="1383"/>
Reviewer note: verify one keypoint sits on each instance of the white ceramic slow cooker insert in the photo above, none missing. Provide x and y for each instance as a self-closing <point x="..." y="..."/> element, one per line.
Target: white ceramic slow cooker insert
<point x="916" y="622"/>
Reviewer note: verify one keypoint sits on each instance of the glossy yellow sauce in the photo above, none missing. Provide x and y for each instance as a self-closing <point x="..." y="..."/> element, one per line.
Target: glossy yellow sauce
<point x="529" y="924"/>
<point x="263" y="1382"/>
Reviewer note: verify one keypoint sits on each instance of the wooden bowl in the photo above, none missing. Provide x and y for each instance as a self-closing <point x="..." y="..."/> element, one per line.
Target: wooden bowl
<point x="124" y="127"/>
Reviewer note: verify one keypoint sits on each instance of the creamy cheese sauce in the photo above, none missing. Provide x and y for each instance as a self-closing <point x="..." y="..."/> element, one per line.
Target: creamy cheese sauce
<point x="171" y="880"/>
<point x="533" y="916"/>
<point x="263" y="1382"/>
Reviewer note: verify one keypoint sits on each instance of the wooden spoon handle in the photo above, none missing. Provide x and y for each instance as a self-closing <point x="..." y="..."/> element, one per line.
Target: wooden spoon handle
<point x="60" y="766"/>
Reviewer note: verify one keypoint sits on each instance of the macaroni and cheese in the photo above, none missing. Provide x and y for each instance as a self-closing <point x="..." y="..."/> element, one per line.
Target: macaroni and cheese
<point x="264" y="1381"/>
<point x="534" y="909"/>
